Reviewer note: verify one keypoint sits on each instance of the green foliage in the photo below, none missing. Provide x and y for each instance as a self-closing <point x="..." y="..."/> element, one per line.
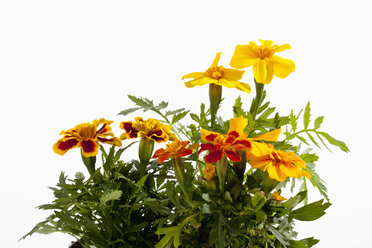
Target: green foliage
<point x="129" y="203"/>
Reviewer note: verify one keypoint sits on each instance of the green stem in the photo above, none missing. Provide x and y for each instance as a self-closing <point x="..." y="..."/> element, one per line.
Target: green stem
<point x="90" y="163"/>
<point x="215" y="95"/>
<point x="257" y="101"/>
<point x="221" y="169"/>
<point x="297" y="133"/>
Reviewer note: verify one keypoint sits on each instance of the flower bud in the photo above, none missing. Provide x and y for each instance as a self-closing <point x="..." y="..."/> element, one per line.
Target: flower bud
<point x="146" y="147"/>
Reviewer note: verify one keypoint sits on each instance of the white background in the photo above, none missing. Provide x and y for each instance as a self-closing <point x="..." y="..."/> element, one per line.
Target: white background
<point x="67" y="62"/>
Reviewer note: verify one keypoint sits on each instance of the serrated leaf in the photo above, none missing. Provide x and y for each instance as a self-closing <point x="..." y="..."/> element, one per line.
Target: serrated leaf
<point x="307" y="115"/>
<point x="179" y="116"/>
<point x="109" y="196"/>
<point x="161" y="105"/>
<point x="279" y="236"/>
<point x="142" y="102"/>
<point x="302" y="139"/>
<point x="266" y="113"/>
<point x="312" y="139"/>
<point x="293" y="121"/>
<point x="335" y="142"/>
<point x="311" y="211"/>
<point x="129" y="111"/>
<point x="318" y="121"/>
<point x="172" y="112"/>
<point x="258" y="201"/>
<point x="295" y="200"/>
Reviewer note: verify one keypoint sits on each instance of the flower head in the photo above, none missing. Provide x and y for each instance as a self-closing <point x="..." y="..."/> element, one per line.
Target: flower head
<point x="86" y="136"/>
<point x="218" y="75"/>
<point x="175" y="149"/>
<point x="278" y="164"/>
<point x="276" y="196"/>
<point x="209" y="172"/>
<point x="265" y="63"/>
<point x="225" y="144"/>
<point x="151" y="129"/>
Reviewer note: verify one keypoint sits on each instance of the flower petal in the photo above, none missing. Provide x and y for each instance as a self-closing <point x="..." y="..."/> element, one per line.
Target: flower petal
<point x="282" y="48"/>
<point x="62" y="146"/>
<point x="213" y="156"/>
<point x="112" y="141"/>
<point x="233" y="156"/>
<point x="275" y="173"/>
<point x="89" y="148"/>
<point x="263" y="72"/>
<point x="270" y="136"/>
<point x="244" y="56"/>
<point x="216" y="60"/>
<point x="205" y="133"/>
<point x="282" y="67"/>
<point x="238" y="125"/>
<point x="233" y="74"/>
<point x="195" y="75"/>
<point x="206" y="147"/>
<point x="244" y="87"/>
<point x="200" y="82"/>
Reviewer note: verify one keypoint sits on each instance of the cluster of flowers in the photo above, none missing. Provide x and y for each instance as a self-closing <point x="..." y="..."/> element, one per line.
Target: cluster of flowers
<point x="235" y="145"/>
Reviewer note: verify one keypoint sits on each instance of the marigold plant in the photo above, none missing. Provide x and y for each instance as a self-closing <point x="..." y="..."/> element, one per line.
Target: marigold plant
<point x="213" y="182"/>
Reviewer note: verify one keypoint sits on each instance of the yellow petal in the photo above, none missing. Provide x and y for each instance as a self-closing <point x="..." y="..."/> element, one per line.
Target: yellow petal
<point x="244" y="87"/>
<point x="216" y="60"/>
<point x="195" y="75"/>
<point x="227" y="83"/>
<point x="238" y="125"/>
<point x="292" y="171"/>
<point x="282" y="48"/>
<point x="270" y="136"/>
<point x="259" y="149"/>
<point x="263" y="72"/>
<point x="266" y="43"/>
<point x="233" y="74"/>
<point x="244" y="56"/>
<point x="200" y="82"/>
<point x="275" y="173"/>
<point x="282" y="67"/>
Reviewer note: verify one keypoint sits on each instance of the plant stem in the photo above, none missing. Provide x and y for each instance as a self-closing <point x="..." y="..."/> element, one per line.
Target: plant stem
<point x="215" y="94"/>
<point x="257" y="101"/>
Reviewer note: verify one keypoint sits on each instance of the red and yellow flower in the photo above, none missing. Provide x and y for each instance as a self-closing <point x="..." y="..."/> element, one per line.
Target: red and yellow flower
<point x="175" y="149"/>
<point x="279" y="164"/>
<point x="225" y="144"/>
<point x="218" y="75"/>
<point x="265" y="63"/>
<point x="86" y="136"/>
<point x="152" y="129"/>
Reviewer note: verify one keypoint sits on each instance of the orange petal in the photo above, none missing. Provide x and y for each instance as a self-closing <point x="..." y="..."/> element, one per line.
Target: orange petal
<point x="270" y="136"/>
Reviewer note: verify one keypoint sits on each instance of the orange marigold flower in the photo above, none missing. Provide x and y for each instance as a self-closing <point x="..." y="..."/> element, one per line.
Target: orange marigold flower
<point x="265" y="63"/>
<point x="209" y="172"/>
<point x="175" y="149"/>
<point x="86" y="136"/>
<point x="151" y="129"/>
<point x="277" y="197"/>
<point x="225" y="144"/>
<point x="278" y="164"/>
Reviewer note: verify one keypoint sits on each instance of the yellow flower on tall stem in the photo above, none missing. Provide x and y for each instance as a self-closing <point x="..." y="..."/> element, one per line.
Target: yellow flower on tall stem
<point x="87" y="136"/>
<point x="261" y="57"/>
<point x="218" y="75"/>
<point x="279" y="164"/>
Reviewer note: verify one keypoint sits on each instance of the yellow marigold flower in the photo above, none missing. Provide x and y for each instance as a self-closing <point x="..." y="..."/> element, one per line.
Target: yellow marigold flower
<point x="278" y="164"/>
<point x="218" y="75"/>
<point x="86" y="136"/>
<point x="176" y="149"/>
<point x="265" y="63"/>
<point x="277" y="197"/>
<point x="151" y="129"/>
<point x="209" y="172"/>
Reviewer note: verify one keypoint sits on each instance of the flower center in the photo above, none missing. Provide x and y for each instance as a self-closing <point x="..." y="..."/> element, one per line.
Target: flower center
<point x="86" y="131"/>
<point x="215" y="72"/>
<point x="265" y="52"/>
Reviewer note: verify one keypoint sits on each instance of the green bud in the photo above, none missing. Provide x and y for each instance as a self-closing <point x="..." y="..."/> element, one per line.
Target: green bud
<point x="146" y="148"/>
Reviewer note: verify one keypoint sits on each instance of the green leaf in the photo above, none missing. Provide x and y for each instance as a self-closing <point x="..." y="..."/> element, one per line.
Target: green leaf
<point x="279" y="236"/>
<point x="114" y="195"/>
<point x="142" y="102"/>
<point x="311" y="211"/>
<point x="179" y="116"/>
<point x="295" y="200"/>
<point x="258" y="201"/>
<point x="162" y="105"/>
<point x="318" y="121"/>
<point x="172" y="112"/>
<point x="335" y="142"/>
<point x="312" y="139"/>
<point x="302" y="139"/>
<point x="293" y="121"/>
<point x="172" y="232"/>
<point x="216" y="235"/>
<point x="129" y="111"/>
<point x="307" y="115"/>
